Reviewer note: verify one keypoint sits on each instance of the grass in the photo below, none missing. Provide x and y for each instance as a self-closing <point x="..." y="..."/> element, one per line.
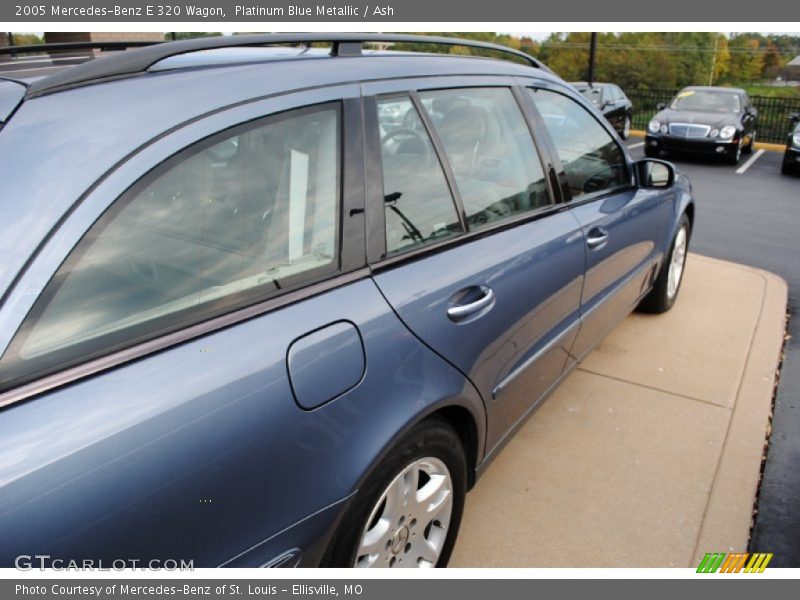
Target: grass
<point x="773" y="92"/>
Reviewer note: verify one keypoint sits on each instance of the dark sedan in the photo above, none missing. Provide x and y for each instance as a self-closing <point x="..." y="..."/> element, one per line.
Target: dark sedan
<point x="612" y="102"/>
<point x="704" y="120"/>
<point x="791" y="158"/>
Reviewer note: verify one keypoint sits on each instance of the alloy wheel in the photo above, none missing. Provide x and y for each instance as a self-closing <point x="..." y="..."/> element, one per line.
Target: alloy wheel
<point x="677" y="262"/>
<point x="408" y="525"/>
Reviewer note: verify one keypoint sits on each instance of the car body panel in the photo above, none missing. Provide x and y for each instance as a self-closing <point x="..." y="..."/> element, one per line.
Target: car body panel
<point x="11" y="94"/>
<point x="791" y="156"/>
<point x="622" y="269"/>
<point x="534" y="306"/>
<point x="195" y="444"/>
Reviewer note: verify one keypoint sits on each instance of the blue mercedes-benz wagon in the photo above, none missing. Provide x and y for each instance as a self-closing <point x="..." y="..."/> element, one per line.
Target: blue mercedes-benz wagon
<point x="263" y="304"/>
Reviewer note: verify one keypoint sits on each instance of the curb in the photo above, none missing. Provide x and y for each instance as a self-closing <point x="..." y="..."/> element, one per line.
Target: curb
<point x="638" y="133"/>
<point x="729" y="512"/>
<point x="770" y="147"/>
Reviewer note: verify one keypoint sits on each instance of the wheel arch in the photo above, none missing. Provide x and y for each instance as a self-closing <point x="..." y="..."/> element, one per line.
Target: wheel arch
<point x="689" y="210"/>
<point x="459" y="413"/>
<point x="463" y="421"/>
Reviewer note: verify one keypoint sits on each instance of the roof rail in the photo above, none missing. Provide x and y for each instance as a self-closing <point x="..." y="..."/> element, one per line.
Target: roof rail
<point x="138" y="61"/>
<point x="61" y="46"/>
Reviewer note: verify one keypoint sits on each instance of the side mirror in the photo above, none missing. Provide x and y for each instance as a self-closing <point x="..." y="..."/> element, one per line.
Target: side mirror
<point x="653" y="173"/>
<point x="752" y="111"/>
<point x="794" y="117"/>
<point x="661" y="106"/>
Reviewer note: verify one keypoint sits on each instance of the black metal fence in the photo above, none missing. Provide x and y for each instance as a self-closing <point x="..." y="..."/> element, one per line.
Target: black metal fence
<point x="773" y="113"/>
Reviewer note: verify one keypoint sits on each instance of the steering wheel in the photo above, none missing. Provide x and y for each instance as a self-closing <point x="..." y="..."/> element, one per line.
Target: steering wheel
<point x="598" y="180"/>
<point x="409" y="133"/>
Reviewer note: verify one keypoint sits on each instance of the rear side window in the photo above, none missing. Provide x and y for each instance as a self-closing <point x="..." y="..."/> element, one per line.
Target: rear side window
<point x="419" y="207"/>
<point x="592" y="160"/>
<point x="231" y="220"/>
<point x="490" y="149"/>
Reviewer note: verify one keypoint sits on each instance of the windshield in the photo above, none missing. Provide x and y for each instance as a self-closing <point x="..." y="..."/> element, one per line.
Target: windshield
<point x="594" y="94"/>
<point x="722" y="102"/>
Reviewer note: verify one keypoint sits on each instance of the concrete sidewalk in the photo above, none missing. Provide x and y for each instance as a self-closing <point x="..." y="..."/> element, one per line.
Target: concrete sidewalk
<point x="649" y="454"/>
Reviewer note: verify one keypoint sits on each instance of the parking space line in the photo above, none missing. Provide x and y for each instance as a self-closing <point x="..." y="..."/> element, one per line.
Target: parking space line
<point x="636" y="145"/>
<point x="750" y="162"/>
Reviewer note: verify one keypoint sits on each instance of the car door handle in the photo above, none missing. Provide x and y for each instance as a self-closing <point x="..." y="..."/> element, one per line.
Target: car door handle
<point x="597" y="237"/>
<point x="485" y="298"/>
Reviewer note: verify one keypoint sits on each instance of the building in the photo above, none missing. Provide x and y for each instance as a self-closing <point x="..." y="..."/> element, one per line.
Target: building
<point x="791" y="72"/>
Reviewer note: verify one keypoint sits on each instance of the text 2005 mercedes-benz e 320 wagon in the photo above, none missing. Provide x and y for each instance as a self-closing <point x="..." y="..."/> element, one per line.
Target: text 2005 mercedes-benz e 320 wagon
<point x="267" y="305"/>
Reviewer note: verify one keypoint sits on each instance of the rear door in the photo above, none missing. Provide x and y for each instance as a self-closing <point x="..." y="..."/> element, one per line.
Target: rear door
<point x="623" y="227"/>
<point x="466" y="242"/>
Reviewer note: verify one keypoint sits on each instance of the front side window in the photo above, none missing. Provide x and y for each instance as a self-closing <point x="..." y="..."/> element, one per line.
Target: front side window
<point x="490" y="149"/>
<point x="232" y="219"/>
<point x="419" y="207"/>
<point x="593" y="162"/>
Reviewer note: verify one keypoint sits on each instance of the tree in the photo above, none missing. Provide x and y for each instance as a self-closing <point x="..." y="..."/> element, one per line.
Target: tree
<point x="26" y="39"/>
<point x="188" y="35"/>
<point x="746" y="61"/>
<point x="773" y="61"/>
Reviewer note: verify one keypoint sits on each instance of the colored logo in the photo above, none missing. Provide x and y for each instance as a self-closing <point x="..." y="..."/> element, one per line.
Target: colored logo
<point x="719" y="562"/>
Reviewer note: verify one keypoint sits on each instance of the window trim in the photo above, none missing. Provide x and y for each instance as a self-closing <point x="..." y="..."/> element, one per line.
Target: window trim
<point x="441" y="154"/>
<point x="564" y="187"/>
<point x="378" y="258"/>
<point x="420" y="252"/>
<point x="378" y="193"/>
<point x="168" y="340"/>
<point x="347" y="265"/>
<point x="543" y="157"/>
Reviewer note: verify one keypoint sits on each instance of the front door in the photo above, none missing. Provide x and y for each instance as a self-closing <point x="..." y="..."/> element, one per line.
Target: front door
<point x="491" y="281"/>
<point x="621" y="224"/>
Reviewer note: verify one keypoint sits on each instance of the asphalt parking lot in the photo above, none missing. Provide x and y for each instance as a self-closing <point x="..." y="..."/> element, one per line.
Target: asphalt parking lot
<point x="750" y="214"/>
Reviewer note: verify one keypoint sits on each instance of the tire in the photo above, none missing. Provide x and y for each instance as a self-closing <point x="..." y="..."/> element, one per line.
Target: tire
<point x="393" y="529"/>
<point x="733" y="157"/>
<point x="749" y="148"/>
<point x="651" y="153"/>
<point x="786" y="168"/>
<point x="626" y="128"/>
<point x="664" y="293"/>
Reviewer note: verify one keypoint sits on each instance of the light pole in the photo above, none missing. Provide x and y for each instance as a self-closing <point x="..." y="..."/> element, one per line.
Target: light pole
<point x="713" y="60"/>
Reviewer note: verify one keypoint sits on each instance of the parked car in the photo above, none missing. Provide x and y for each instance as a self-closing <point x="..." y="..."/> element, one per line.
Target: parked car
<point x="705" y="120"/>
<point x="791" y="157"/>
<point x="612" y="102"/>
<point x="270" y="306"/>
